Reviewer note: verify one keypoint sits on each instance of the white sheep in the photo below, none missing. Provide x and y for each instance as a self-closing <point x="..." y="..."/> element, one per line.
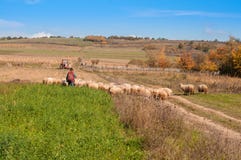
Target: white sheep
<point x="48" y="80"/>
<point x="93" y="85"/>
<point x="105" y="87"/>
<point x="126" y="88"/>
<point x="146" y="92"/>
<point x="203" y="88"/>
<point x="64" y="82"/>
<point x="116" y="90"/>
<point x="168" y="91"/>
<point x="159" y="94"/>
<point x="81" y="83"/>
<point x="187" y="88"/>
<point x="135" y="89"/>
<point x="57" y="81"/>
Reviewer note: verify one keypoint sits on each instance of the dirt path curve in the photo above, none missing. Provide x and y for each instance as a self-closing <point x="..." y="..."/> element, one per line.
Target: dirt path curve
<point x="187" y="102"/>
<point x="207" y="123"/>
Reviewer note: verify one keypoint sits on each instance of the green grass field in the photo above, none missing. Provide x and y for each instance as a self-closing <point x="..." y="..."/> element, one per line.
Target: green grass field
<point x="227" y="103"/>
<point x="60" y="41"/>
<point x="55" y="122"/>
<point x="37" y="52"/>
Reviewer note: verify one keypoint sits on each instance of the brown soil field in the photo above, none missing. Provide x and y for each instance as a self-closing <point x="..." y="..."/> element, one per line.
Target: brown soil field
<point x="35" y="68"/>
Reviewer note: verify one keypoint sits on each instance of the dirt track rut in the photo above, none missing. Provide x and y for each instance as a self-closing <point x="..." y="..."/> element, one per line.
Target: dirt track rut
<point x="207" y="123"/>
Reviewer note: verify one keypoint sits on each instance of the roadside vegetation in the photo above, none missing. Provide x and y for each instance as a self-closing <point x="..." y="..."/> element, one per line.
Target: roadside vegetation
<point x="54" y="122"/>
<point x="167" y="136"/>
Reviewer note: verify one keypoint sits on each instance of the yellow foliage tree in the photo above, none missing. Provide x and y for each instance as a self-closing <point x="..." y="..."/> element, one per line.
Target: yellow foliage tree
<point x="162" y="60"/>
<point x="156" y="58"/>
<point x="186" y="62"/>
<point x="208" y="65"/>
<point x="236" y="57"/>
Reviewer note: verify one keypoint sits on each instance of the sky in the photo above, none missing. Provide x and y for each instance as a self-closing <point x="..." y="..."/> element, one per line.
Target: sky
<point x="171" y="19"/>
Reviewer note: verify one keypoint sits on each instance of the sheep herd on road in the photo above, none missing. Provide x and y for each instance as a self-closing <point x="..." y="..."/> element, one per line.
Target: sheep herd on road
<point x="125" y="88"/>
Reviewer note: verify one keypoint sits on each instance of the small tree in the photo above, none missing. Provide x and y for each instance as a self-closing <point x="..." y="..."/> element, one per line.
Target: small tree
<point x="236" y="57"/>
<point x="198" y="58"/>
<point x="186" y="62"/>
<point x="208" y="65"/>
<point x="162" y="60"/>
<point x="156" y="58"/>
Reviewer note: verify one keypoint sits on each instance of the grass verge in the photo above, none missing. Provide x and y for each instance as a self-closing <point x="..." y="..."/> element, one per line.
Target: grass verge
<point x="230" y="104"/>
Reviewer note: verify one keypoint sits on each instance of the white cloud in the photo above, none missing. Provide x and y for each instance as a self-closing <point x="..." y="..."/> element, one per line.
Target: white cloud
<point x="41" y="34"/>
<point x="164" y="13"/>
<point x="7" y="23"/>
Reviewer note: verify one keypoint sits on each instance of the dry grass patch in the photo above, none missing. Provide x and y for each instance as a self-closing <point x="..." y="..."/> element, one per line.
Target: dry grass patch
<point x="172" y="80"/>
<point x="165" y="134"/>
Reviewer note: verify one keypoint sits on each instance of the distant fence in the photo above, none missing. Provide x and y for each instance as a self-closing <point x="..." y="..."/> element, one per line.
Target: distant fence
<point x="124" y="68"/>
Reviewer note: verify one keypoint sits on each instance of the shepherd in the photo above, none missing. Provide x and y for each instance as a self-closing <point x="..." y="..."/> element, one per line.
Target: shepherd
<point x="70" y="77"/>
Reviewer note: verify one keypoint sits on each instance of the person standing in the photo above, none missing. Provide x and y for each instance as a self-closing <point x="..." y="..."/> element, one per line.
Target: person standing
<point x="70" y="77"/>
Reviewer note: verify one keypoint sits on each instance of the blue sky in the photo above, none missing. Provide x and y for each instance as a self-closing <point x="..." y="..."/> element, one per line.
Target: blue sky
<point x="171" y="19"/>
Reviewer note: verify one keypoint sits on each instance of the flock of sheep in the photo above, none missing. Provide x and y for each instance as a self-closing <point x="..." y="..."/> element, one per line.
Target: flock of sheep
<point x="125" y="88"/>
<point x="113" y="89"/>
<point x="189" y="88"/>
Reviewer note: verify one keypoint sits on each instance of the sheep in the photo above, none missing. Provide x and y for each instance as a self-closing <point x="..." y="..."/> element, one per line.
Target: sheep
<point x="57" y="81"/>
<point x="93" y="85"/>
<point x="64" y="82"/>
<point x="187" y="88"/>
<point x="159" y="94"/>
<point x="135" y="89"/>
<point x="116" y="90"/>
<point x="81" y="83"/>
<point x="48" y="80"/>
<point x="203" y="88"/>
<point x="168" y="91"/>
<point x="126" y="88"/>
<point x="146" y="92"/>
<point x="105" y="87"/>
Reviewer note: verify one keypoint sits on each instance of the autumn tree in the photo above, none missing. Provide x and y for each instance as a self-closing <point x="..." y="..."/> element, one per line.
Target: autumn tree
<point x="162" y="60"/>
<point x="198" y="58"/>
<point x="236" y="58"/>
<point x="208" y="65"/>
<point x="227" y="58"/>
<point x="157" y="58"/>
<point x="185" y="61"/>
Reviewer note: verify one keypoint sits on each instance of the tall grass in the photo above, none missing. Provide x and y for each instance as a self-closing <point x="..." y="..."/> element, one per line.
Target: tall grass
<point x="165" y="134"/>
<point x="54" y="122"/>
